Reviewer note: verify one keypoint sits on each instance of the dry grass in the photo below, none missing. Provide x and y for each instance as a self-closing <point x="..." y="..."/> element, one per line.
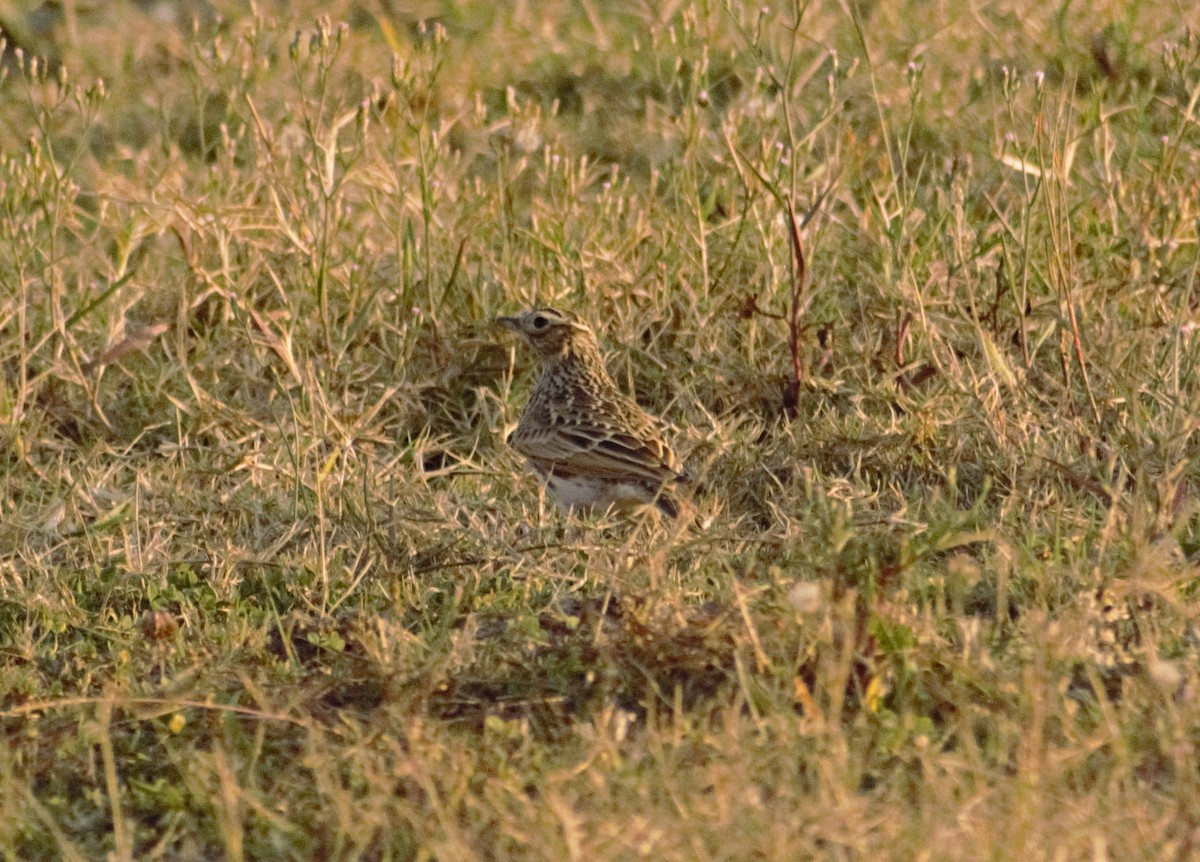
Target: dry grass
<point x="271" y="586"/>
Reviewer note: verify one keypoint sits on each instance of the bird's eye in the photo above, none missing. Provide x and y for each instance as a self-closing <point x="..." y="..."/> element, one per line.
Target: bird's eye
<point x="540" y="322"/>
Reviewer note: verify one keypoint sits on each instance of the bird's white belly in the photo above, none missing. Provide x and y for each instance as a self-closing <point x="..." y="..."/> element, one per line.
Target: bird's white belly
<point x="577" y="492"/>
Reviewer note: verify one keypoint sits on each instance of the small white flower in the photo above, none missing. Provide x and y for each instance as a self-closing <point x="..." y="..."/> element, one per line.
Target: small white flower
<point x="805" y="597"/>
<point x="1166" y="674"/>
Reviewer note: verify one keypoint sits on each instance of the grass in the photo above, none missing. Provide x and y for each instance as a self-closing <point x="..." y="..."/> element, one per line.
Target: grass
<point x="272" y="587"/>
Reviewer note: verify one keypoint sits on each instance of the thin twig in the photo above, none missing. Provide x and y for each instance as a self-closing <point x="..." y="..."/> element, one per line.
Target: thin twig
<point x="799" y="272"/>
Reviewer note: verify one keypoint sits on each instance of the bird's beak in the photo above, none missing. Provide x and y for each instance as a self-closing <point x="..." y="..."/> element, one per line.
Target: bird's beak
<point x="508" y="323"/>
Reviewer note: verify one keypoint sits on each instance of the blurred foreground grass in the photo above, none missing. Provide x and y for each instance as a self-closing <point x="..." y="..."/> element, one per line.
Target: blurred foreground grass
<point x="272" y="587"/>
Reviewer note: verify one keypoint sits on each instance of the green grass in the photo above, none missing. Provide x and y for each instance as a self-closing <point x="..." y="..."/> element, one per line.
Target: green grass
<point x="272" y="586"/>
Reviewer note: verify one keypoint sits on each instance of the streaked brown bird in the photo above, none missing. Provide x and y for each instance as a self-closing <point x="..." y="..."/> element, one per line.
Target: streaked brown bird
<point x="593" y="445"/>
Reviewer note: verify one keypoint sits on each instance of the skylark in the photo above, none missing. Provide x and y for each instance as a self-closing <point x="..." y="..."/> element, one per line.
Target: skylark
<point x="593" y="445"/>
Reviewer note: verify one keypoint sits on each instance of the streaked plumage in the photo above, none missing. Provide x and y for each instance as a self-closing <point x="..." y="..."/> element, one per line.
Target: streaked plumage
<point x="592" y="444"/>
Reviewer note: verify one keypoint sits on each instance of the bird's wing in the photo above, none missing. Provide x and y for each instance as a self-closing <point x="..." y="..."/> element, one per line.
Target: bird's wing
<point x="598" y="450"/>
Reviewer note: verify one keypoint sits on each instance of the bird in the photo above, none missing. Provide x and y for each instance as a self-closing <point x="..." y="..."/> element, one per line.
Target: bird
<point x="592" y="445"/>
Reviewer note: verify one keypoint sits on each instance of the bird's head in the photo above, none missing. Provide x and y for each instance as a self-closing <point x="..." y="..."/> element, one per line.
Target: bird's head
<point x="552" y="333"/>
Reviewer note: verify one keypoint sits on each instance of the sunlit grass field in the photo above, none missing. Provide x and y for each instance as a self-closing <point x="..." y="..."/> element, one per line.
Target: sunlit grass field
<point x="916" y="284"/>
